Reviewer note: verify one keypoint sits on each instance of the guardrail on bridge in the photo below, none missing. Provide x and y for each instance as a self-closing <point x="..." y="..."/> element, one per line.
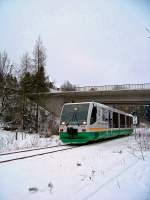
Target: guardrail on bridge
<point x="115" y="87"/>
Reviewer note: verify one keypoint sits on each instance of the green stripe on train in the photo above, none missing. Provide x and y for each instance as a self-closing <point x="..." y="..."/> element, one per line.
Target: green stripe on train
<point x="83" y="137"/>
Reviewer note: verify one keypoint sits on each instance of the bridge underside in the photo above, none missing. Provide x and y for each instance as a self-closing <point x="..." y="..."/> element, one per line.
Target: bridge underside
<point x="53" y="102"/>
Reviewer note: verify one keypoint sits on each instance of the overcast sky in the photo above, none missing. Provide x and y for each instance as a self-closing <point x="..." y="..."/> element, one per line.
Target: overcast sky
<point x="88" y="42"/>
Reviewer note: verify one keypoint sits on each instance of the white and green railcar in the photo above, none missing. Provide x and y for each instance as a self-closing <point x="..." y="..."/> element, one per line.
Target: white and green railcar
<point x="89" y="121"/>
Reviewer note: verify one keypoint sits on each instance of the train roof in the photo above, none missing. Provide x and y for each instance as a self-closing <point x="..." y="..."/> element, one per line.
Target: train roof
<point x="103" y="106"/>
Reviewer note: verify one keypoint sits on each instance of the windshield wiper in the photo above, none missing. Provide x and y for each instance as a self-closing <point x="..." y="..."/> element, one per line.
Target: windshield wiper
<point x="74" y="116"/>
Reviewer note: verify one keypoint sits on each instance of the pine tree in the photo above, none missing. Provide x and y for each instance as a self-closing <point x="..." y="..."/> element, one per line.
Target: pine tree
<point x="33" y="78"/>
<point x="40" y="82"/>
<point x="39" y="79"/>
<point x="26" y="83"/>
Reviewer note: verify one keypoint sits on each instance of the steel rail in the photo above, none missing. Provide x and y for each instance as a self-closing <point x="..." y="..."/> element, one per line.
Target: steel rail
<point x="39" y="154"/>
<point x="27" y="150"/>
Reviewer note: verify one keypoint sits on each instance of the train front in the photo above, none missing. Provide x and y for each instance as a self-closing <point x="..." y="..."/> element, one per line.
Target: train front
<point x="73" y="123"/>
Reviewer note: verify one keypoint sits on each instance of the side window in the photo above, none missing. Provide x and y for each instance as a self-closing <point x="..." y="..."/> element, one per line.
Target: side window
<point x="105" y="115"/>
<point x="122" y="121"/>
<point x="93" y="115"/>
<point x="99" y="113"/>
<point x="110" y="119"/>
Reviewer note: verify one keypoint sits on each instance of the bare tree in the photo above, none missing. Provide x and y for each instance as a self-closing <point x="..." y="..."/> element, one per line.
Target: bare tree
<point x="67" y="86"/>
<point x="26" y="64"/>
<point x="5" y="66"/>
<point x="39" y="55"/>
<point x="6" y="87"/>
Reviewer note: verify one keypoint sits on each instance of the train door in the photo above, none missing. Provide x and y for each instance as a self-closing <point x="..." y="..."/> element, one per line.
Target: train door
<point x="110" y="122"/>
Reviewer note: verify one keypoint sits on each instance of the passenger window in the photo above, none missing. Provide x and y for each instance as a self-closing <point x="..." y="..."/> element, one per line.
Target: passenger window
<point x="110" y="119"/>
<point x="105" y="115"/>
<point x="93" y="115"/>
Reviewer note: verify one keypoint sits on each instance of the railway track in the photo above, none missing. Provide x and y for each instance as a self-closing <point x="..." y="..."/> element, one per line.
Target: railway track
<point x="22" y="154"/>
<point x="19" y="155"/>
<point x="27" y="150"/>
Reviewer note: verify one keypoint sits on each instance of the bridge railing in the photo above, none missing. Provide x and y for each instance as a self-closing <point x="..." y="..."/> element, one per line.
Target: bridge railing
<point x="115" y="87"/>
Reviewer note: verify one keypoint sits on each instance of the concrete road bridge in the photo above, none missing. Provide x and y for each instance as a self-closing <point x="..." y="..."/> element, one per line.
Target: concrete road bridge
<point x="109" y="94"/>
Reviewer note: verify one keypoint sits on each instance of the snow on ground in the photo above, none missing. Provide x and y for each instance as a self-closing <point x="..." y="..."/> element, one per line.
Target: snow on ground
<point x="110" y="170"/>
<point x="9" y="142"/>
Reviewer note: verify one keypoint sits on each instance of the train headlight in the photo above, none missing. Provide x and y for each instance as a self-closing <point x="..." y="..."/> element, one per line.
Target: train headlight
<point x="62" y="123"/>
<point x="84" y="122"/>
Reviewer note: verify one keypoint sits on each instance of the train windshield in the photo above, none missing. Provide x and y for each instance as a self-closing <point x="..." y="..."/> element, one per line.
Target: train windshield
<point x="74" y="114"/>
